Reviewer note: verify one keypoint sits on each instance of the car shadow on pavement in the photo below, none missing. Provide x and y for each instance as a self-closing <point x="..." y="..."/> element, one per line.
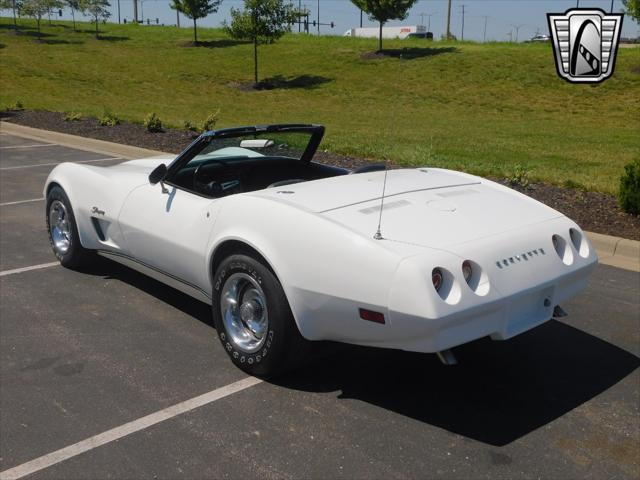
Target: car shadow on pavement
<point x="499" y="391"/>
<point x="181" y="301"/>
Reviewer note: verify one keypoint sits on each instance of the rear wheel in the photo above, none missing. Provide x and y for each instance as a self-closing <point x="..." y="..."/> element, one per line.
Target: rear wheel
<point x="253" y="318"/>
<point x="63" y="230"/>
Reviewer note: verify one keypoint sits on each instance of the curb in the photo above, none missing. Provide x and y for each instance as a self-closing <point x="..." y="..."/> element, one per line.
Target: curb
<point x="80" y="143"/>
<point x="614" y="251"/>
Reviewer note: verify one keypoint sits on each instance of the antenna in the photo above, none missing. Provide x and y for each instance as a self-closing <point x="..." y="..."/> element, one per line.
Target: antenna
<point x="378" y="234"/>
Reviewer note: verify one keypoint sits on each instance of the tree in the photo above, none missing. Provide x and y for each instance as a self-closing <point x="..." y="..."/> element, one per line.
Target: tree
<point x="384" y="10"/>
<point x="195" y="9"/>
<point x="13" y="5"/>
<point x="632" y="8"/>
<point x="261" y="21"/>
<point x="36" y="9"/>
<point x="73" y="5"/>
<point x="97" y="10"/>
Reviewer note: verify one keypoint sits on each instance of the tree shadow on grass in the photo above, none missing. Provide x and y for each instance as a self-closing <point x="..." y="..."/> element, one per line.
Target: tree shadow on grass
<point x="34" y="33"/>
<point x="408" y="53"/>
<point x="2" y="45"/>
<point x="58" y="41"/>
<point x="220" y="43"/>
<point x="305" y="82"/>
<point x="113" y="38"/>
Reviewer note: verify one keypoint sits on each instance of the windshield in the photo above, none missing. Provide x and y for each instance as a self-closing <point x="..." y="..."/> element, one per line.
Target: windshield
<point x="255" y="145"/>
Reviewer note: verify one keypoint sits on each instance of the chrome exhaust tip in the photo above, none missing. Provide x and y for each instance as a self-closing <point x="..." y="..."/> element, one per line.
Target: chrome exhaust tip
<point x="447" y="357"/>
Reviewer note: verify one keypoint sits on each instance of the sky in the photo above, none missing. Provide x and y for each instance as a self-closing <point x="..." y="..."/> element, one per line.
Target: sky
<point x="502" y="16"/>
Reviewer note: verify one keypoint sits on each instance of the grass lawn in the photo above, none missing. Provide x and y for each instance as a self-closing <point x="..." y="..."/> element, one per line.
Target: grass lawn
<point x="481" y="108"/>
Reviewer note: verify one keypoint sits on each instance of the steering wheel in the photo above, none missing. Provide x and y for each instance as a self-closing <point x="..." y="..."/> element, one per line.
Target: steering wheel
<point x="210" y="187"/>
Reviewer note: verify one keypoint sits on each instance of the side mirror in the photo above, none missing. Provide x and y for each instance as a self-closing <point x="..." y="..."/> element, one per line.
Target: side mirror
<point x="158" y="174"/>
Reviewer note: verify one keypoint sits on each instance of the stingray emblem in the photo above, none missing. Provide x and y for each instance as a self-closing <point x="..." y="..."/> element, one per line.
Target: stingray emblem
<point x="585" y="43"/>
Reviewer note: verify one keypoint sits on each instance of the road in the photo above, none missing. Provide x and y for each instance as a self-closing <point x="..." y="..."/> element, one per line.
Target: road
<point x="82" y="353"/>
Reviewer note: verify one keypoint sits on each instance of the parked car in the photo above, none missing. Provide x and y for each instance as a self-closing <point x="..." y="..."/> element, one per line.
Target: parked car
<point x="287" y="250"/>
<point x="540" y="38"/>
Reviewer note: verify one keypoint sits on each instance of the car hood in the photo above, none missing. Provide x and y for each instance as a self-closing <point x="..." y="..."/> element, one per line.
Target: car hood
<point x="143" y="166"/>
<point x="426" y="207"/>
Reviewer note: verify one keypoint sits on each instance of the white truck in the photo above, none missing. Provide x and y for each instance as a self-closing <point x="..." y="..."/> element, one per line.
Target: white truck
<point x="387" y="32"/>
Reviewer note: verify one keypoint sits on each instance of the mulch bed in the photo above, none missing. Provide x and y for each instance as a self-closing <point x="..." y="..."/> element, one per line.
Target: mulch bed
<point x="593" y="211"/>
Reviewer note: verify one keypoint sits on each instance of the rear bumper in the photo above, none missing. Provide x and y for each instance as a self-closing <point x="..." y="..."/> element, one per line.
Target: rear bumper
<point x="500" y="319"/>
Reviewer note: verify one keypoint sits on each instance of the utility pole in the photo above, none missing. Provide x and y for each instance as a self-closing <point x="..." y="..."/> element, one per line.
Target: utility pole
<point x="318" y="17"/>
<point x="462" y="22"/>
<point x="135" y="11"/>
<point x="611" y="6"/>
<point x="517" y="27"/>
<point x="118" y="11"/>
<point x="360" y="18"/>
<point x="422" y="15"/>
<point x="177" y="18"/>
<point x="577" y="3"/>
<point x="449" y="21"/>
<point x="510" y="36"/>
<point x="299" y="16"/>
<point x="484" y="35"/>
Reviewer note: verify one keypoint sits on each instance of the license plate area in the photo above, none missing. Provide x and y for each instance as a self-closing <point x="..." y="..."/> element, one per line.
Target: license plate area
<point x="529" y="310"/>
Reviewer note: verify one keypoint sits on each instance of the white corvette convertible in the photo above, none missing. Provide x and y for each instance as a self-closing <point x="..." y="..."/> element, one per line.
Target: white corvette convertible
<point x="287" y="250"/>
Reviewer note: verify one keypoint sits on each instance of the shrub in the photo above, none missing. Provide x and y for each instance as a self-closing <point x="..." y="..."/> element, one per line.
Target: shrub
<point x="210" y="122"/>
<point x="519" y="177"/>
<point x="108" y="119"/>
<point x="153" y="123"/>
<point x="187" y="125"/>
<point x="72" y="117"/>
<point x="16" y="106"/>
<point x="629" y="194"/>
<point x="572" y="184"/>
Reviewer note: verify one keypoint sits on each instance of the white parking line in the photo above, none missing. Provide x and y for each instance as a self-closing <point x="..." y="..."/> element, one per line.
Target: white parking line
<point x="22" y="201"/>
<point x="58" y="163"/>
<point x="28" y="269"/>
<point x="126" y="429"/>
<point x="30" y="146"/>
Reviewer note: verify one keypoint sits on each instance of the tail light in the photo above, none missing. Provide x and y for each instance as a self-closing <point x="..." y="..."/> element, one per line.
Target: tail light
<point x="436" y="278"/>
<point x="467" y="271"/>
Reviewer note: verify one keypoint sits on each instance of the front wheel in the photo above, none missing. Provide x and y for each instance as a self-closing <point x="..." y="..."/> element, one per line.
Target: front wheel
<point x="253" y="318"/>
<point x="63" y="230"/>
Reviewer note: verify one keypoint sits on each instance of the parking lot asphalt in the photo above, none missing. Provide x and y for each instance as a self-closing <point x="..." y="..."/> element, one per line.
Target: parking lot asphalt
<point x="85" y="352"/>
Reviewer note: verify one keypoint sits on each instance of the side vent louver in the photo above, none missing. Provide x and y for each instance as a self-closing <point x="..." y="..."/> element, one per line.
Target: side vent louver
<point x="98" y="228"/>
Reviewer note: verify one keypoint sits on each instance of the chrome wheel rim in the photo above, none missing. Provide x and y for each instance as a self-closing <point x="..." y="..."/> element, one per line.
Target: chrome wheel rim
<point x="243" y="307"/>
<point x="59" y="227"/>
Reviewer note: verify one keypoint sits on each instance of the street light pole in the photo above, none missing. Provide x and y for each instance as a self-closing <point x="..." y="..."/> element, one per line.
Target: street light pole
<point x="517" y="27"/>
<point x="429" y="21"/>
